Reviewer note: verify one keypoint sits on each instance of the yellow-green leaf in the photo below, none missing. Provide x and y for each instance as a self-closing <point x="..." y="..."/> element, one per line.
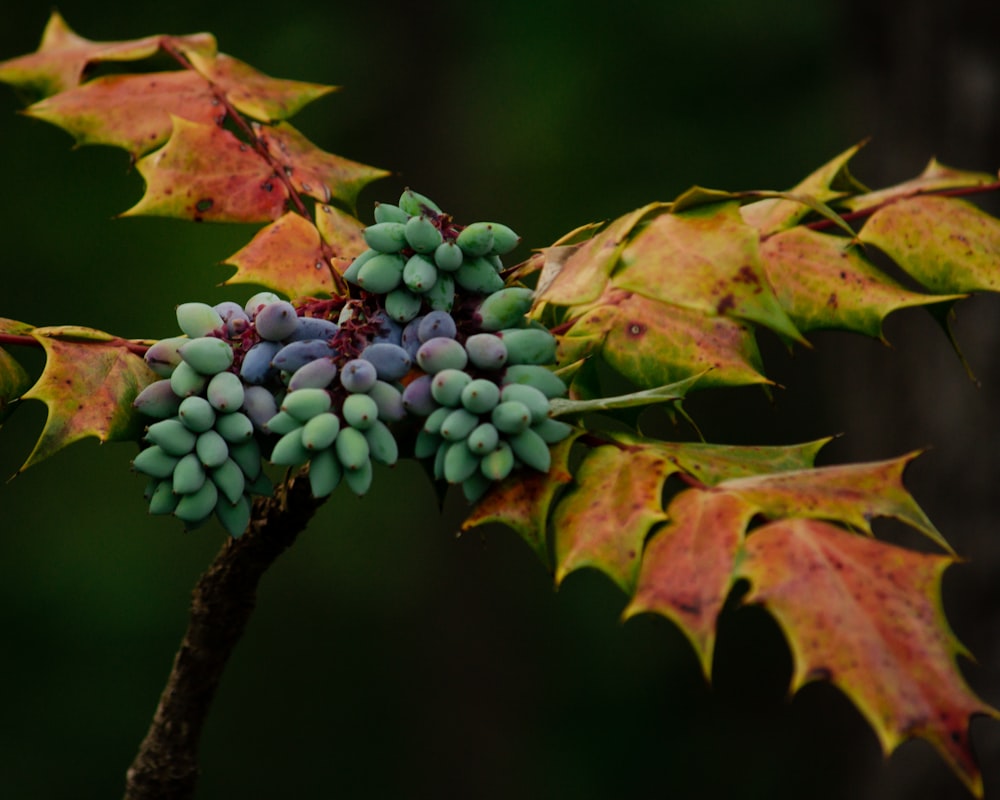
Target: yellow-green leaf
<point x="89" y="381"/>
<point x="705" y="259"/>
<point x="826" y="281"/>
<point x="945" y="243"/>
<point x="935" y="177"/>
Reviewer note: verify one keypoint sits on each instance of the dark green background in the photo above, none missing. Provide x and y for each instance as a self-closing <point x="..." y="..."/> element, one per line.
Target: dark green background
<point x="388" y="658"/>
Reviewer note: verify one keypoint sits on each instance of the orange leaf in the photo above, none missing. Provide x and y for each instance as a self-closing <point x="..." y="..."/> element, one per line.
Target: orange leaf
<point x="867" y="616"/>
<point x="204" y="173"/>
<point x="130" y="111"/>
<point x="60" y="60"/>
<point x="286" y="256"/>
<point x="687" y="568"/>
<point x="89" y="382"/>
<point x="604" y="521"/>
<point x="522" y="501"/>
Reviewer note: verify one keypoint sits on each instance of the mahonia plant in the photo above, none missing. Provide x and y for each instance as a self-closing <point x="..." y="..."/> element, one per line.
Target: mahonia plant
<point x="409" y="337"/>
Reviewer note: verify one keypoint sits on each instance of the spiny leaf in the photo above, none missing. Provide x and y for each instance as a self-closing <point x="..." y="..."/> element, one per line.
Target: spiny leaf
<point x="14" y="381"/>
<point x="653" y="343"/>
<point x="254" y="93"/>
<point x="314" y="172"/>
<point x="89" y="382"/>
<point x="831" y="181"/>
<point x="947" y="244"/>
<point x="522" y="501"/>
<point x="288" y="255"/>
<point x="204" y="173"/>
<point x="825" y="281"/>
<point x="704" y="259"/>
<point x="853" y="494"/>
<point x="578" y="276"/>
<point x="129" y="111"/>
<point x="63" y="55"/>
<point x="935" y="177"/>
<point x="687" y="567"/>
<point x="867" y="616"/>
<point x="603" y="522"/>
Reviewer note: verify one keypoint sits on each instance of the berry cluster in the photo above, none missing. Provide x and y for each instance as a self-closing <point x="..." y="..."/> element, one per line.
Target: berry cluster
<point x="433" y="351"/>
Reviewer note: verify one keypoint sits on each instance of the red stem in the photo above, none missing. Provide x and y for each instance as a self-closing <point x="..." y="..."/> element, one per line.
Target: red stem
<point x="26" y="340"/>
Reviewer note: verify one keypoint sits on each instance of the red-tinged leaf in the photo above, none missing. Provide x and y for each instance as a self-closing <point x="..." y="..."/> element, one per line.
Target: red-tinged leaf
<point x="867" y="616"/>
<point x="711" y="464"/>
<point x="89" y="382"/>
<point x="852" y="494"/>
<point x="522" y="501"/>
<point x="204" y="173"/>
<point x="578" y="274"/>
<point x="604" y="520"/>
<point x="254" y="93"/>
<point x="314" y="172"/>
<point x="946" y="244"/>
<point x="130" y="111"/>
<point x="687" y="568"/>
<point x="935" y="178"/>
<point x="705" y="259"/>
<point x="825" y="281"/>
<point x="63" y="55"/>
<point x="829" y="182"/>
<point x="654" y="343"/>
<point x="286" y="256"/>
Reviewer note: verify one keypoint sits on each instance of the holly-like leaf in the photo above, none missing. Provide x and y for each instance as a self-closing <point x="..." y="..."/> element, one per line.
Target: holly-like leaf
<point x="286" y="256"/>
<point x="687" y="567"/>
<point x="852" y="494"/>
<point x="130" y="111"/>
<point x="522" y="501"/>
<point x="314" y="172"/>
<point x="204" y="173"/>
<point x="826" y="281"/>
<point x="653" y="343"/>
<point x="604" y="521"/>
<point x="704" y="259"/>
<point x="945" y="243"/>
<point x="867" y="616"/>
<point x="89" y="382"/>
<point x="254" y="93"/>
<point x="14" y="381"/>
<point x="63" y="56"/>
<point x="577" y="274"/>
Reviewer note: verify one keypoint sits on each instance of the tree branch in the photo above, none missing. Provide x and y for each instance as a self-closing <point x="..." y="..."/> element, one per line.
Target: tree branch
<point x="166" y="766"/>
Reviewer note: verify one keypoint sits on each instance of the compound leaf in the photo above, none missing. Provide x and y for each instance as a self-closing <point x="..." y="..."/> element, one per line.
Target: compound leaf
<point x="867" y="616"/>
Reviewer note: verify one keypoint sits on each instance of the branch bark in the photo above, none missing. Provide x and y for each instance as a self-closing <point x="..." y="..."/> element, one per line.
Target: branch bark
<point x="166" y="766"/>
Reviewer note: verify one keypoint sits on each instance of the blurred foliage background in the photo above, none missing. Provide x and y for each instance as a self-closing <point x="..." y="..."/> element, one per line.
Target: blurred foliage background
<point x="388" y="658"/>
